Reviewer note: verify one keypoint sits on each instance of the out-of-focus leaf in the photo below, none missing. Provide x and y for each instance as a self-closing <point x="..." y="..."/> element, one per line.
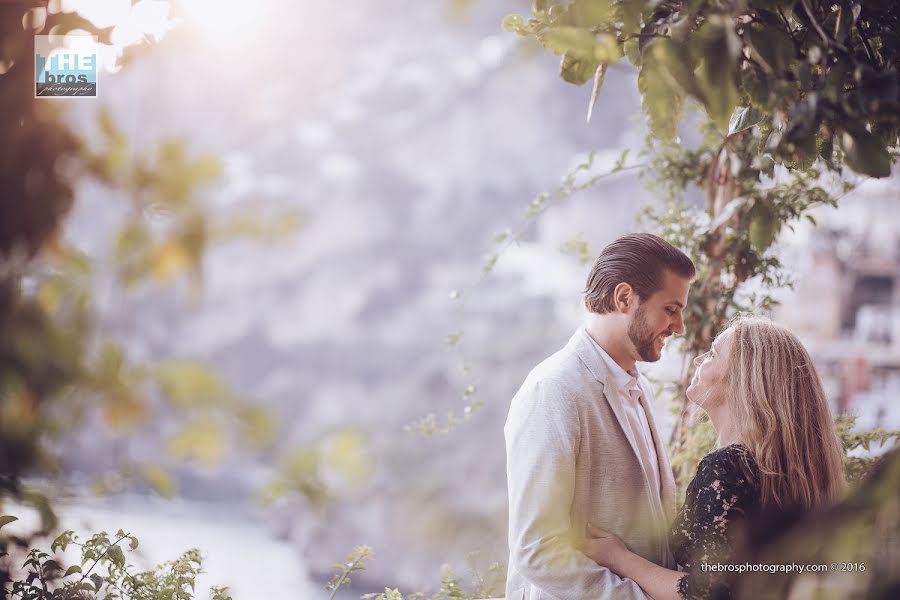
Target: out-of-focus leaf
<point x="865" y="153"/>
<point x="189" y="383"/>
<point x="40" y="503"/>
<point x="574" y="40"/>
<point x="258" y="425"/>
<point x="591" y="13"/>
<point x="201" y="441"/>
<point x="773" y="46"/>
<point x="631" y="48"/>
<point x="124" y="408"/>
<point x="661" y="101"/>
<point x="159" y="479"/>
<point x="577" y="71"/>
<point x="345" y="451"/>
<point x="131" y="239"/>
<point x="515" y="24"/>
<point x="878" y="89"/>
<point x="206" y="169"/>
<point x="717" y="48"/>
<point x="763" y="227"/>
<point x="170" y="259"/>
<point x="606" y="49"/>
<point x="7" y="519"/>
<point x="51" y="294"/>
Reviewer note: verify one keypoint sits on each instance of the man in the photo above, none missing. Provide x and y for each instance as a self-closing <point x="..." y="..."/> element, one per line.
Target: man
<point x="582" y="445"/>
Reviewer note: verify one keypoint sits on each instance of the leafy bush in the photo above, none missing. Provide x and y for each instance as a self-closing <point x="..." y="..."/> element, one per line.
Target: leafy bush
<point x="103" y="573"/>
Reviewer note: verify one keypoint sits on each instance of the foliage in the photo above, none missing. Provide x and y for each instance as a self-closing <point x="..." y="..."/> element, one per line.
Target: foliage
<point x="104" y="572"/>
<point x="451" y="585"/>
<point x="810" y="75"/>
<point x="356" y="561"/>
<point x="859" y="467"/>
<point x="856" y="541"/>
<point x="791" y="92"/>
<point x="64" y="361"/>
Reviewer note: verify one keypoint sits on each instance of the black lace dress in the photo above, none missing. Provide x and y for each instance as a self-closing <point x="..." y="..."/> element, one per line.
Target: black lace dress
<point x="720" y="501"/>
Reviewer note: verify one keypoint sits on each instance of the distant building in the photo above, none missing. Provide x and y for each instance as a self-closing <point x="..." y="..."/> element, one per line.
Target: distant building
<point x="846" y="307"/>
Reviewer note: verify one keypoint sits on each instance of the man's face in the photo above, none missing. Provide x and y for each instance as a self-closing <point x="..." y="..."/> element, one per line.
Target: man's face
<point x="658" y="317"/>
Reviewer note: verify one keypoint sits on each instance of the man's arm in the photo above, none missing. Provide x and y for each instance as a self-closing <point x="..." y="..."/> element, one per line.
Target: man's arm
<point x="542" y="437"/>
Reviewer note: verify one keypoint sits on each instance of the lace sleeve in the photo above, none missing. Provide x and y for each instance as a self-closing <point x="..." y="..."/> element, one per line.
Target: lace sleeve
<point x="720" y="497"/>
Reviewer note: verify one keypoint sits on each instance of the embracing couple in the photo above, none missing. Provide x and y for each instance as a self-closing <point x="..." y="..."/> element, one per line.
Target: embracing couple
<point x="591" y="492"/>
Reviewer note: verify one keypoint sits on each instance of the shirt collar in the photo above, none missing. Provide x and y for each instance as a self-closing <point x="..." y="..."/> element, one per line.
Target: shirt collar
<point x="625" y="380"/>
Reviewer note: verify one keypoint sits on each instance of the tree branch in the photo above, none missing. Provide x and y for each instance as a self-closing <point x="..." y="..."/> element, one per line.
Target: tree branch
<point x="815" y="24"/>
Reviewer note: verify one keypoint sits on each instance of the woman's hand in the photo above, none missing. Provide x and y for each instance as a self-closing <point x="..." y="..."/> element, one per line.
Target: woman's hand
<point x="605" y="548"/>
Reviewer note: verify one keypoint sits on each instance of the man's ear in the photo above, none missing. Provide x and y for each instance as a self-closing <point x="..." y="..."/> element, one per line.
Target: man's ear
<point x="624" y="297"/>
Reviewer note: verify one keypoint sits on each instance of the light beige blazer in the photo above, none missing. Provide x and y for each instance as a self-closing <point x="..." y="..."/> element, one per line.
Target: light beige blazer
<point x="572" y="460"/>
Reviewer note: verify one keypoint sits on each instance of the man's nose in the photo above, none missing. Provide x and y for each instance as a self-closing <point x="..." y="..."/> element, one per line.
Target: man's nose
<point x="697" y="360"/>
<point x="679" y="325"/>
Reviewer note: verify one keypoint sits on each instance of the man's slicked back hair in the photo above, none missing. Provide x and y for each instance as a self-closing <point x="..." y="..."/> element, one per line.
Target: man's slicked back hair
<point x="638" y="259"/>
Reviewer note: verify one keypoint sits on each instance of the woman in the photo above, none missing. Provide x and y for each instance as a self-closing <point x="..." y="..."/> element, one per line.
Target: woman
<point x="778" y="456"/>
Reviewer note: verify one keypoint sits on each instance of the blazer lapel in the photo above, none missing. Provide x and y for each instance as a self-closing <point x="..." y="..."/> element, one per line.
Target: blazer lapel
<point x="666" y="480"/>
<point x="594" y="362"/>
<point x="615" y="403"/>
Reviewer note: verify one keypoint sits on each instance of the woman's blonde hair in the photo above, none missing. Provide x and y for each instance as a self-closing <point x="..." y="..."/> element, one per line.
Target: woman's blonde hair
<point x="782" y="416"/>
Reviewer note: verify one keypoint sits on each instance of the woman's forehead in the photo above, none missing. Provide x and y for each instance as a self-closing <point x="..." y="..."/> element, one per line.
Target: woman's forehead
<point x="723" y="339"/>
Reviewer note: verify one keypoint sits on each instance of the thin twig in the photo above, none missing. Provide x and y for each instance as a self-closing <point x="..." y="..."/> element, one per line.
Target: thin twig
<point x="870" y="52"/>
<point x="99" y="558"/>
<point x="815" y="23"/>
<point x="787" y="26"/>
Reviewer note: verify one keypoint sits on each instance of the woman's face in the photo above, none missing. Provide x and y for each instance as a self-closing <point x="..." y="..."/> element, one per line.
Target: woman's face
<point x="707" y="386"/>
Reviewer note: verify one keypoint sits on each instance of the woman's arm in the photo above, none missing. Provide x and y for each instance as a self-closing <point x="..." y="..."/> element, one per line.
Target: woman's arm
<point x="608" y="550"/>
<point x="719" y="502"/>
<point x="658" y="582"/>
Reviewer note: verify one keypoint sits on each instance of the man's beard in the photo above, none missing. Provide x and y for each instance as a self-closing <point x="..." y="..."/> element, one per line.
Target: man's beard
<point x="643" y="339"/>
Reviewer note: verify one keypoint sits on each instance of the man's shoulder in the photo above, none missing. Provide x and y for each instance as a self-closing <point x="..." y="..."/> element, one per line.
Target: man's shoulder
<point x="563" y="372"/>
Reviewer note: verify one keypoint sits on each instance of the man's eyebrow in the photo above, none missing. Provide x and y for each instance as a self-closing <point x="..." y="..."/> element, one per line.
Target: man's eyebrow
<point x="678" y="302"/>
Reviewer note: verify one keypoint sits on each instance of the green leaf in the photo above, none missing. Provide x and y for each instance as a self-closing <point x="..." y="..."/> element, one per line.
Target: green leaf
<point x="878" y="89"/>
<point x="116" y="555"/>
<point x="716" y="47"/>
<point x="71" y="570"/>
<point x="632" y="49"/>
<point x="514" y="24"/>
<point x="591" y="13"/>
<point x="661" y="100"/>
<point x="577" y="71"/>
<point x="202" y="441"/>
<point x="7" y="519"/>
<point x="773" y="46"/>
<point x="206" y="169"/>
<point x="574" y="40"/>
<point x="744" y="117"/>
<point x="763" y="228"/>
<point x="606" y="49"/>
<point x="160" y="480"/>
<point x="133" y="544"/>
<point x="865" y="153"/>
<point x="190" y="383"/>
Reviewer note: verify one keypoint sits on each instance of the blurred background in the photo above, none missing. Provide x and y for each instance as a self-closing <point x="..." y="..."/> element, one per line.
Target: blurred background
<point x="368" y="336"/>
